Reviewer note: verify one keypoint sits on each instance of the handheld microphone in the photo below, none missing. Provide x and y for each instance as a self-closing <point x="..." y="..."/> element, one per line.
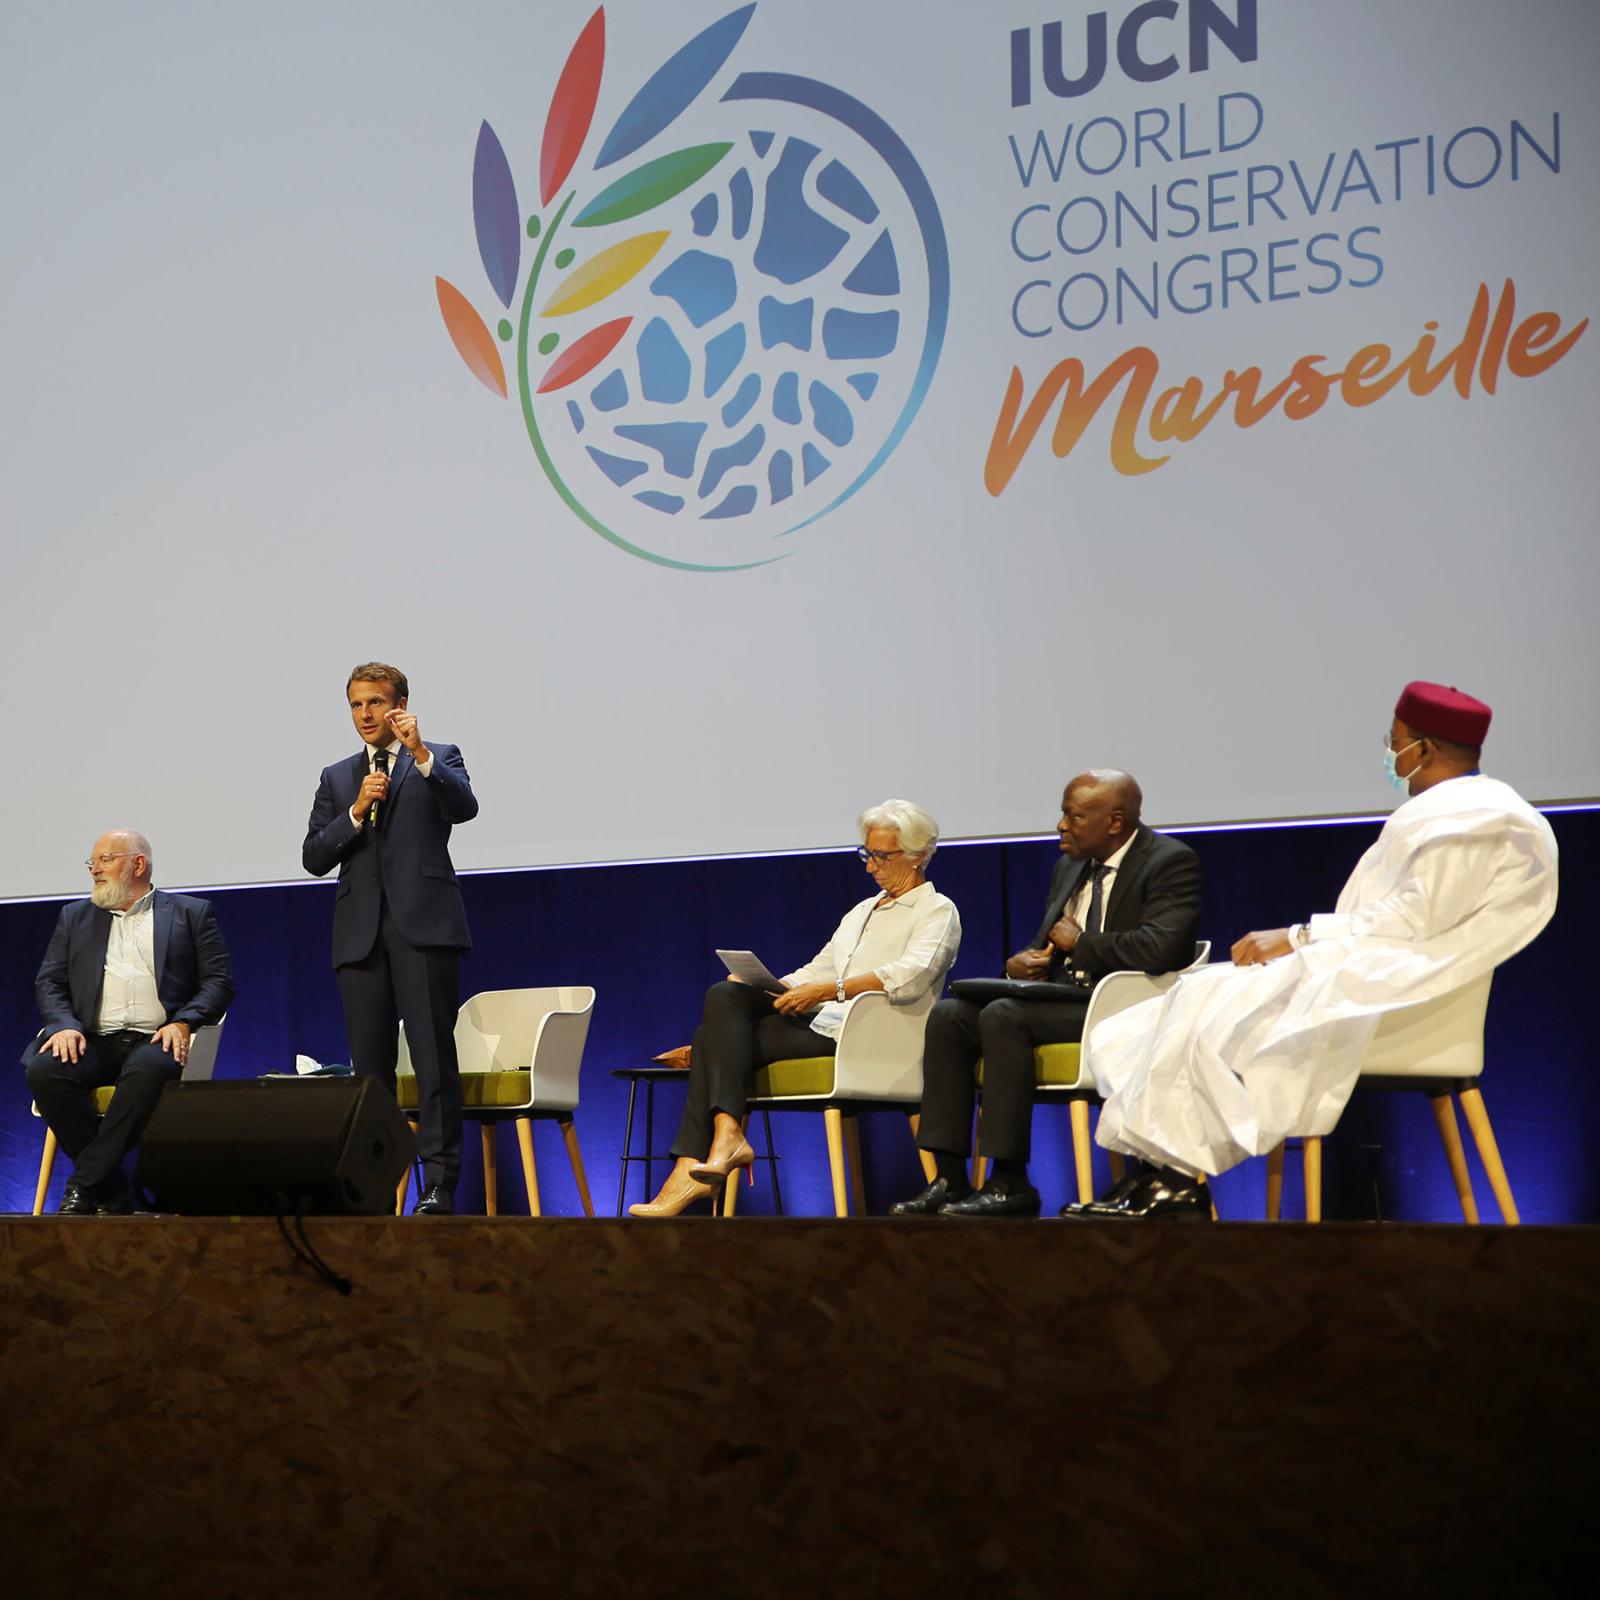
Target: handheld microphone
<point x="380" y="763"/>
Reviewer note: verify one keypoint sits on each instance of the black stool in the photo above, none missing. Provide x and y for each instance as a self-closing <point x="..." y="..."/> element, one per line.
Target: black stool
<point x="650" y="1077"/>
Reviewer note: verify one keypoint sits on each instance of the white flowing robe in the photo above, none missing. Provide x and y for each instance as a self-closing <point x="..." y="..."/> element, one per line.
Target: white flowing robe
<point x="1231" y="1060"/>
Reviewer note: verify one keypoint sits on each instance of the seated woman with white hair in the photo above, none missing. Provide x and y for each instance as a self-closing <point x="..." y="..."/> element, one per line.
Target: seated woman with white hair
<point x="901" y="939"/>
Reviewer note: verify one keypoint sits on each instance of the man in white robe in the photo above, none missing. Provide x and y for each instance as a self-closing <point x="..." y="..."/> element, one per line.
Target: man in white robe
<point x="1234" y="1058"/>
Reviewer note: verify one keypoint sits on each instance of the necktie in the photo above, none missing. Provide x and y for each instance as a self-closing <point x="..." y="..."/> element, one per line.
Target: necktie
<point x="1091" y="923"/>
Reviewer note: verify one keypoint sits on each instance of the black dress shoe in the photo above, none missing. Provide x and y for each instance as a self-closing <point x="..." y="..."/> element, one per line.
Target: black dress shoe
<point x="77" y="1200"/>
<point x="1123" y="1186"/>
<point x="937" y="1194"/>
<point x="436" y="1201"/>
<point x="114" y="1197"/>
<point x="992" y="1202"/>
<point x="1156" y="1194"/>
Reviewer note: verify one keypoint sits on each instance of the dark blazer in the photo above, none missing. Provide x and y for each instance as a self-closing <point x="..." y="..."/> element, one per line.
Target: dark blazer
<point x="1151" y="917"/>
<point x="194" y="977"/>
<point x="406" y="860"/>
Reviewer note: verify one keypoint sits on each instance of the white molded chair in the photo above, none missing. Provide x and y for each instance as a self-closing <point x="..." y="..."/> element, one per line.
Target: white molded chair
<point x="1435" y="1048"/>
<point x="878" y="1065"/>
<point x="520" y="1051"/>
<point x="1066" y="1071"/>
<point x="200" y="1066"/>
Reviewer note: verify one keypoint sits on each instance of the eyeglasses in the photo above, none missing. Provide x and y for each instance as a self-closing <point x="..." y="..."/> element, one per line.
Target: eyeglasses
<point x="880" y="856"/>
<point x="106" y="858"/>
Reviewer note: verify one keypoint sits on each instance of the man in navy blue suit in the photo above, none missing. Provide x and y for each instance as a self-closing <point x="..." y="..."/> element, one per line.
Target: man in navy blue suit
<point x="383" y="817"/>
<point x="130" y="975"/>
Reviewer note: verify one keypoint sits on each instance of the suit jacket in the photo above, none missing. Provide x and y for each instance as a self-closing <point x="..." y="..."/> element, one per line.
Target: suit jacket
<point x="406" y="859"/>
<point x="1149" y="920"/>
<point x="194" y="977"/>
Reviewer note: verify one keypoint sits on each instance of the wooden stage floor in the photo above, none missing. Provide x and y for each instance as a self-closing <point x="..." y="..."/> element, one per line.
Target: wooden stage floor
<point x="799" y="1407"/>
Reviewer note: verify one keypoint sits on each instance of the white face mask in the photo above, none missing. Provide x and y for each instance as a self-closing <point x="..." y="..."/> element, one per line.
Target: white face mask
<point x="1390" y="756"/>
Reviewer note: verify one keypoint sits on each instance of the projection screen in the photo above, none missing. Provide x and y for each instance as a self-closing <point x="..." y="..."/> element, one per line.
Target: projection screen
<point x="730" y="417"/>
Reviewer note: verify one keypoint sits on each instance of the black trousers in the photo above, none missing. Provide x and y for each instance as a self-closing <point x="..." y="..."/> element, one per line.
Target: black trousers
<point x="419" y="985"/>
<point x="1004" y="1034"/>
<point x="739" y="1031"/>
<point x="64" y="1094"/>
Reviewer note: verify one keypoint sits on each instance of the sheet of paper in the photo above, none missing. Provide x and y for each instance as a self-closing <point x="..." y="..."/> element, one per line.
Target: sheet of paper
<point x="746" y="964"/>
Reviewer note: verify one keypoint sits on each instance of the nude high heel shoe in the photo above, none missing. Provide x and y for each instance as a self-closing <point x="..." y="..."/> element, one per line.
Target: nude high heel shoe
<point x="743" y="1158"/>
<point x="677" y="1195"/>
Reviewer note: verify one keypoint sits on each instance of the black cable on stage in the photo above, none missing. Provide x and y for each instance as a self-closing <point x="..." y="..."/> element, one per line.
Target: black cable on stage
<point x="305" y="1250"/>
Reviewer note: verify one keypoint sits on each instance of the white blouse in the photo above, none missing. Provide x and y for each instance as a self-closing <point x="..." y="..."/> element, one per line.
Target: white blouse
<point x="910" y="943"/>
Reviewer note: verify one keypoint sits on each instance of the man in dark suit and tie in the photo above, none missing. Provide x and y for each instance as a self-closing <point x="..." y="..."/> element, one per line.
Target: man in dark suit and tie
<point x="1121" y="897"/>
<point x="131" y="974"/>
<point x="383" y="817"/>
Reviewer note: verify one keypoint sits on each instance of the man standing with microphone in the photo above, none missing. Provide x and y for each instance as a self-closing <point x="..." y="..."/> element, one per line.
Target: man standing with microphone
<point x="383" y="817"/>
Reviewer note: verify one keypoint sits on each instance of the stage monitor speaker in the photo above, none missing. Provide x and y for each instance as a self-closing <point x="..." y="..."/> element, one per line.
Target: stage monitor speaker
<point x="328" y="1147"/>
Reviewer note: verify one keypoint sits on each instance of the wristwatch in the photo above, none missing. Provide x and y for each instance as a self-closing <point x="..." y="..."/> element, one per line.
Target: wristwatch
<point x="1300" y="935"/>
<point x="838" y="988"/>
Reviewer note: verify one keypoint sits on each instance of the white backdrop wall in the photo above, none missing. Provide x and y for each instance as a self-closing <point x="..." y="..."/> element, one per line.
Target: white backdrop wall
<point x="240" y="449"/>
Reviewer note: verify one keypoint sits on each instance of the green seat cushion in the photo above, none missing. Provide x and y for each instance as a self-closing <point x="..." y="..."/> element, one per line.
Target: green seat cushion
<point x="1054" y="1065"/>
<point x="1057" y="1065"/>
<point x="808" y="1075"/>
<point x="480" y="1091"/>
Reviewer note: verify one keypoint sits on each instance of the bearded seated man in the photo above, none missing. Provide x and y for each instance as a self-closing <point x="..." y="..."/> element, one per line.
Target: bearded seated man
<point x="129" y="976"/>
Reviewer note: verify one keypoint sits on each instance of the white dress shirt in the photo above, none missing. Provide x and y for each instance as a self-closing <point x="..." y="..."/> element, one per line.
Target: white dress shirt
<point x="394" y="747"/>
<point x="129" y="997"/>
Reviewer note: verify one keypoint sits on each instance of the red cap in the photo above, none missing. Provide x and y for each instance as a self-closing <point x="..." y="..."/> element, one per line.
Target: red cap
<point x="1446" y="713"/>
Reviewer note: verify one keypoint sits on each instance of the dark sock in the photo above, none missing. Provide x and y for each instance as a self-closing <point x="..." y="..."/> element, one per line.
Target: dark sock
<point x="1007" y="1177"/>
<point x="953" y="1169"/>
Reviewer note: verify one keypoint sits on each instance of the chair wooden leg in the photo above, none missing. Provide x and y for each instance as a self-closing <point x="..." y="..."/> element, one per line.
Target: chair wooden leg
<point x="930" y="1169"/>
<point x="852" y="1156"/>
<point x="1275" y="1183"/>
<point x="980" y="1162"/>
<point x="47" y="1165"/>
<point x="530" y="1173"/>
<point x="569" y="1132"/>
<point x="1119" y="1167"/>
<point x="1489" y="1153"/>
<point x="1311" y="1152"/>
<point x="1450" y="1137"/>
<point x="1078" y="1111"/>
<point x="491" y="1173"/>
<point x="833" y="1122"/>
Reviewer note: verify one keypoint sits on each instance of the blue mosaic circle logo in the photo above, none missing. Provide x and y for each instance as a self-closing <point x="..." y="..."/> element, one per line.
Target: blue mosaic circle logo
<point x="701" y="387"/>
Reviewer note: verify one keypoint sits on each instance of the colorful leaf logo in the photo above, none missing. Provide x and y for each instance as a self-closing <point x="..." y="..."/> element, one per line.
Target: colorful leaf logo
<point x="605" y="274"/>
<point x="471" y="338"/>
<point x="566" y="124"/>
<point x="651" y="185"/>
<point x="673" y="87"/>
<point x="584" y="355"/>
<point x="495" y="214"/>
